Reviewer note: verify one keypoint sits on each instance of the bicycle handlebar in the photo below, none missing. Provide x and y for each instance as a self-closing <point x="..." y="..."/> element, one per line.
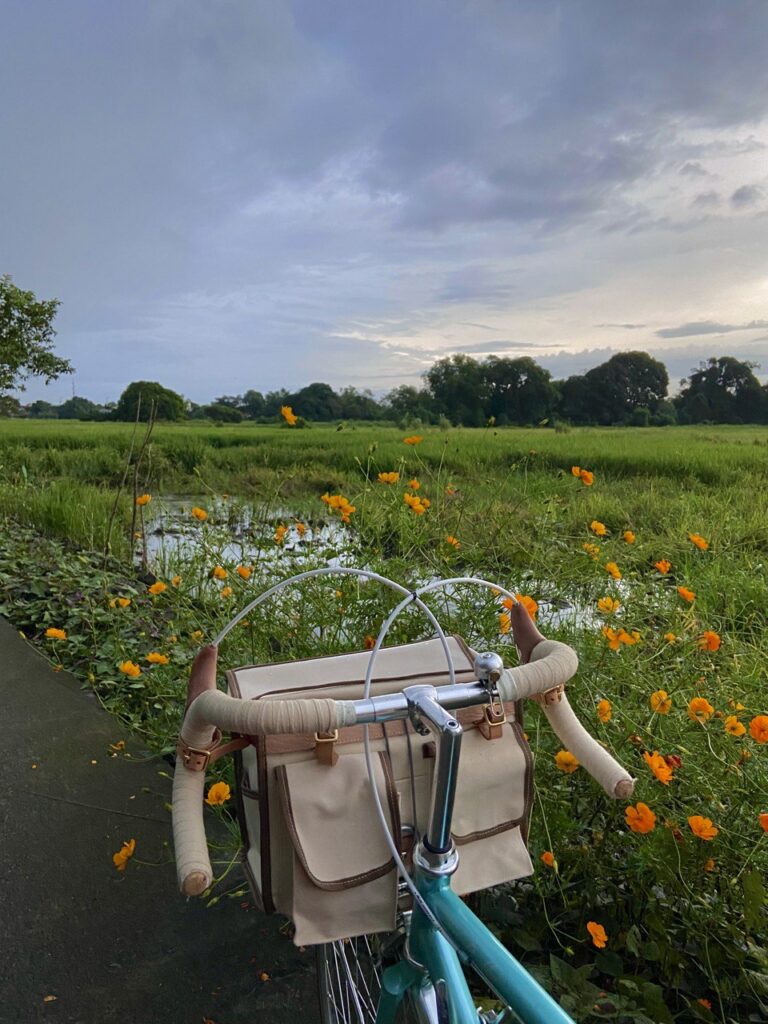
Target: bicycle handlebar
<point x="551" y="665"/>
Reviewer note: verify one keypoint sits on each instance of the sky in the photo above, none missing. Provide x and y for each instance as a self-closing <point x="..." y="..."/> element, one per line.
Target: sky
<point x="235" y="194"/>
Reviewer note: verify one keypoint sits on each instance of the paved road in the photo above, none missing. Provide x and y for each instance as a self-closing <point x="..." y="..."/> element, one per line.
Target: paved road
<point x="112" y="948"/>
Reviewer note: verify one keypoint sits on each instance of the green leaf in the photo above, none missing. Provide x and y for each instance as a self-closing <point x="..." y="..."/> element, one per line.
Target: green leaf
<point x="651" y="950"/>
<point x="525" y="940"/>
<point x="633" y="940"/>
<point x="609" y="963"/>
<point x="653" y="1001"/>
<point x="754" y="897"/>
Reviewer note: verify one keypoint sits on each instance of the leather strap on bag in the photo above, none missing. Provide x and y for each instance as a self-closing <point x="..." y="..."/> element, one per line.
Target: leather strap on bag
<point x="197" y="759"/>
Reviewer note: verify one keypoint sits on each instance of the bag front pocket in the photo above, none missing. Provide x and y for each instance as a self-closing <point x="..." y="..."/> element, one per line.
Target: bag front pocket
<point x="344" y="878"/>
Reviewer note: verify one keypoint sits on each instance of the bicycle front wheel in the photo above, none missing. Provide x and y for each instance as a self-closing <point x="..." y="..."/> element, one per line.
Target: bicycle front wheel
<point x="349" y="982"/>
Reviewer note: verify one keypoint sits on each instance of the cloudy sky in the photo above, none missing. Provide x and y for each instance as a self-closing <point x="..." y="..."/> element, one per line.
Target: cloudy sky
<point x="228" y="194"/>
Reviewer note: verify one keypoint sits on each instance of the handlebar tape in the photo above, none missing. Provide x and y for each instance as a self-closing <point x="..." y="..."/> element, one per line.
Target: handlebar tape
<point x="551" y="665"/>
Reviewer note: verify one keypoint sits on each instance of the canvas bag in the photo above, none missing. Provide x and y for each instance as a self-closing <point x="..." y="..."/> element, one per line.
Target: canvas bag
<point x="314" y="849"/>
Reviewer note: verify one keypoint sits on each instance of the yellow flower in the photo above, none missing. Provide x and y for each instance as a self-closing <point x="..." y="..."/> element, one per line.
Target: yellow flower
<point x="156" y="658"/>
<point x="598" y="528"/>
<point x="288" y="415"/>
<point x="143" y="499"/>
<point x="608" y="605"/>
<point x="670" y="638"/>
<point x="243" y="572"/>
<point x="339" y="503"/>
<point x="598" y="933"/>
<point x="414" y="484"/>
<point x="640" y="818"/>
<point x="219" y="572"/>
<point x="129" y="668"/>
<point x="450" y="539"/>
<point x="699" y="541"/>
<point x="576" y="470"/>
<point x="613" y="570"/>
<point x="700" y="710"/>
<point x="226" y="591"/>
<point x="592" y="549"/>
<point x="734" y="727"/>
<point x="414" y="439"/>
<point x="709" y="865"/>
<point x="388" y="478"/>
<point x="604" y="710"/>
<point x="199" y="513"/>
<point x="176" y="581"/>
<point x="301" y="529"/>
<point x="663" y="566"/>
<point x="548" y="858"/>
<point x="702" y="827"/>
<point x="660" y="702"/>
<point x="658" y="766"/>
<point x="586" y="477"/>
<point x="505" y="622"/>
<point x="218" y="794"/>
<point x="55" y="634"/>
<point x="157" y="588"/>
<point x="196" y="634"/>
<point x="566" y="762"/>
<point x="758" y="728"/>
<point x="612" y="636"/>
<point x="709" y="641"/>
<point x="280" y="533"/>
<point x="124" y="854"/>
<point x="686" y="594"/>
<point x="416" y="504"/>
<point x="629" y="537"/>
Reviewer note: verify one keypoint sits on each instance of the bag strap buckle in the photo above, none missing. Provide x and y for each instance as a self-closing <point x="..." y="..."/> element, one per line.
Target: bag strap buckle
<point x="197" y="759"/>
<point x="325" y="750"/>
<point x="494" y="717"/>
<point x="550" y="697"/>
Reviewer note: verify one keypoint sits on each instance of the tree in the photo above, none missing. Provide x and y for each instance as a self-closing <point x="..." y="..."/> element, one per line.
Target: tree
<point x="722" y="390"/>
<point x="79" y="409"/>
<point x="253" y="404"/>
<point x="168" y="405"/>
<point x="626" y="381"/>
<point x="316" y="402"/>
<point x="359" y="405"/>
<point x="457" y="387"/>
<point x="223" y="412"/>
<point x="9" y="406"/>
<point x="26" y="338"/>
<point x="516" y="390"/>
<point x="408" y="403"/>
<point x="41" y="410"/>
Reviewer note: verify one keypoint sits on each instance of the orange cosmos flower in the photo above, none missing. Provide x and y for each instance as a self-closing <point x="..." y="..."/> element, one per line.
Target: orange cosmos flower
<point x="587" y="478"/>
<point x="530" y="605"/>
<point x="156" y="658"/>
<point x="592" y="549"/>
<point x="226" y="591"/>
<point x="699" y="541"/>
<point x="658" y="766"/>
<point x="640" y="818"/>
<point x="129" y="668"/>
<point x="388" y="478"/>
<point x="417" y="505"/>
<point x="176" y="581"/>
<point x="219" y="572"/>
<point x="576" y="470"/>
<point x="686" y="594"/>
<point x="566" y="762"/>
<point x="52" y="633"/>
<point x="143" y="499"/>
<point x="598" y="933"/>
<point x="700" y="710"/>
<point x="702" y="827"/>
<point x="763" y="819"/>
<point x="244" y="572"/>
<point x="709" y="865"/>
<point x="414" y="439"/>
<point x="158" y="588"/>
<point x="450" y="539"/>
<point x="758" y="728"/>
<point x="548" y="857"/>
<point x="199" y="513"/>
<point x="301" y="529"/>
<point x="734" y="727"/>
<point x="598" y="528"/>
<point x="604" y="710"/>
<point x="505" y="622"/>
<point x="670" y="637"/>
<point x="414" y="484"/>
<point x="288" y="415"/>
<point x="663" y="566"/>
<point x="709" y="641"/>
<point x="705" y="1003"/>
<point x="218" y="794"/>
<point x="612" y="569"/>
<point x="124" y="854"/>
<point x="280" y="533"/>
<point x="608" y="605"/>
<point x="660" y="702"/>
<point x="629" y="537"/>
<point x="369" y="642"/>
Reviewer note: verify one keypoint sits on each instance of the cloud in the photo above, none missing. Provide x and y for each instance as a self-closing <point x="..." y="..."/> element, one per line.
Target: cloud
<point x="701" y="327"/>
<point x="693" y="169"/>
<point x="707" y="200"/>
<point x="747" y="195"/>
<point x="626" y="327"/>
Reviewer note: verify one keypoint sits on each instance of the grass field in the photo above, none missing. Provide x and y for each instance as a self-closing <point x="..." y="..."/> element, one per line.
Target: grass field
<point x="683" y="906"/>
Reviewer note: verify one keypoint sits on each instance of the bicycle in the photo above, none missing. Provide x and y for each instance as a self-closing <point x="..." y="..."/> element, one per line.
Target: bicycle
<point x="415" y="973"/>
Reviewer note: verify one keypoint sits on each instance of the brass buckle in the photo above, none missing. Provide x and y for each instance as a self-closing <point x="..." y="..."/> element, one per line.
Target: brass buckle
<point x="550" y="697"/>
<point x="494" y="717"/>
<point x="324" y="747"/>
<point x="187" y="753"/>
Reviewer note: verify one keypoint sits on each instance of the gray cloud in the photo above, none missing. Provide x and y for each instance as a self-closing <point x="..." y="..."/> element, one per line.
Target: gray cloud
<point x="693" y="169"/>
<point x="747" y="195"/>
<point x="701" y="327"/>
<point x="707" y="200"/>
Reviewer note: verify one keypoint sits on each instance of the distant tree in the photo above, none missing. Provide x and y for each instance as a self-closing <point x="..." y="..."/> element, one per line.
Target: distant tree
<point x="617" y="387"/>
<point x="516" y="390"/>
<point x="222" y="413"/>
<point x="169" y="405"/>
<point x="40" y="410"/>
<point x="233" y="401"/>
<point x="574" y="402"/>
<point x="316" y="402"/>
<point x="26" y="338"/>
<point x="408" y="403"/>
<point x="79" y="409"/>
<point x="253" y="405"/>
<point x="10" y="406"/>
<point x="359" y="405"/>
<point x="722" y="390"/>
<point x="456" y="385"/>
<point x="274" y="401"/>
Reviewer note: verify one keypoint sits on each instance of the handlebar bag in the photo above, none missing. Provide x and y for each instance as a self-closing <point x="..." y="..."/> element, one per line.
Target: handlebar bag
<point x="314" y="848"/>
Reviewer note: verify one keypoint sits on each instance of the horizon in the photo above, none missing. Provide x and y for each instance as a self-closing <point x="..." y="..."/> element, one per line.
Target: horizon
<point x="293" y="195"/>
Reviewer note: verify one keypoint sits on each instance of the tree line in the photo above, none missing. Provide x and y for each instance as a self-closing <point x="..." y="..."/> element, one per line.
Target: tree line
<point x="630" y="388"/>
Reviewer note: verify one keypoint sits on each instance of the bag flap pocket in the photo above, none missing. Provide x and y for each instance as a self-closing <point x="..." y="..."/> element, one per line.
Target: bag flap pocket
<point x="332" y="820"/>
<point x="492" y="791"/>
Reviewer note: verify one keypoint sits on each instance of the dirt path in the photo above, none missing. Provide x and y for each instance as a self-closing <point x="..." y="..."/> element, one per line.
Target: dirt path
<point x="112" y="947"/>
